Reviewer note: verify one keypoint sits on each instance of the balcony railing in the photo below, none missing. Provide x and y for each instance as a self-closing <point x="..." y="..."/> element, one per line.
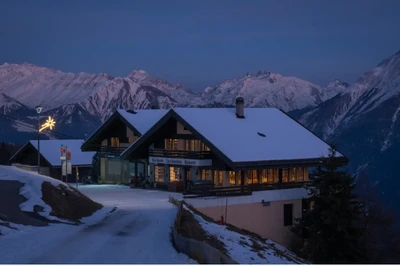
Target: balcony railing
<point x="273" y="186"/>
<point x="180" y="154"/>
<point x="110" y="149"/>
<point x="238" y="190"/>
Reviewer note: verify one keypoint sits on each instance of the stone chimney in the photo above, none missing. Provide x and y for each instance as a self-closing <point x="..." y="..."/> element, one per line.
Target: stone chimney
<point x="239" y="107"/>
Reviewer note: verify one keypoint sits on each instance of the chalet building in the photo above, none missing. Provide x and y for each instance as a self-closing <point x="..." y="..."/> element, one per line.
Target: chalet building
<point x="122" y="129"/>
<point x="50" y="162"/>
<point x="256" y="149"/>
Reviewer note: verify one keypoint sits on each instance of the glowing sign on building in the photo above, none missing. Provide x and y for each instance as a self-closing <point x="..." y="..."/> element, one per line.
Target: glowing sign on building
<point x="50" y="123"/>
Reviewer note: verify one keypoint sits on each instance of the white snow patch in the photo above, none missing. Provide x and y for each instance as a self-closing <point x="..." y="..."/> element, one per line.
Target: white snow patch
<point x="386" y="143"/>
<point x="32" y="189"/>
<point x="240" y="247"/>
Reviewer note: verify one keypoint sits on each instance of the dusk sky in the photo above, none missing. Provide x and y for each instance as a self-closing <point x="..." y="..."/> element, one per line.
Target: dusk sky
<point x="202" y="43"/>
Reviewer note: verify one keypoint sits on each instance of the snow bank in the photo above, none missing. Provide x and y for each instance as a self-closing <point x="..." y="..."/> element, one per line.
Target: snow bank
<point x="98" y="215"/>
<point x="246" y="249"/>
<point x="32" y="189"/>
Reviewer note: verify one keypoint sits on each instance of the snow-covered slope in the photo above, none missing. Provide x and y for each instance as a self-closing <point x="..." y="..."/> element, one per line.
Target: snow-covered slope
<point x="9" y="105"/>
<point x="266" y="89"/>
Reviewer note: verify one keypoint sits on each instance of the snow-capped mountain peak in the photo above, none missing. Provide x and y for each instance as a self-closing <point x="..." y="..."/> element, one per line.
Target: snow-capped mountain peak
<point x="338" y="82"/>
<point x="138" y="75"/>
<point x="267" y="89"/>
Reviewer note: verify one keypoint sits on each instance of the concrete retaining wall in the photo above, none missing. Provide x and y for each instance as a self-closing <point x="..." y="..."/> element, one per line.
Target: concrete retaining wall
<point x="198" y="250"/>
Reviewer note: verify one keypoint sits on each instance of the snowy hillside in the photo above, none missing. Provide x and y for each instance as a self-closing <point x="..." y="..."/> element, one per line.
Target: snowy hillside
<point x="364" y="122"/>
<point x="266" y="89"/>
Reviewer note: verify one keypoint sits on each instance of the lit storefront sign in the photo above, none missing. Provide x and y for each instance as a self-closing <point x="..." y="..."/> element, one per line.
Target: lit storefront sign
<point x="180" y="161"/>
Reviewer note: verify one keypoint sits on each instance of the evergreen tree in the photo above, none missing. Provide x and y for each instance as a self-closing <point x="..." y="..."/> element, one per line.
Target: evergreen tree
<point x="331" y="231"/>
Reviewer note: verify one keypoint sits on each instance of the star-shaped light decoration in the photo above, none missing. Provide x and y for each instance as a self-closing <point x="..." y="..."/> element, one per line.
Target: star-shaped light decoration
<point x="50" y="123"/>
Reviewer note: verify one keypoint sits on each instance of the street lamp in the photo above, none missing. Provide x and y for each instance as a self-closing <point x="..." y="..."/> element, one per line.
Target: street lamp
<point x="38" y="110"/>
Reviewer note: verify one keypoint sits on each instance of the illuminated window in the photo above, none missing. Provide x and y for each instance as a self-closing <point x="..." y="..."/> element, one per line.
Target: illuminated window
<point x="293" y="177"/>
<point x="285" y="175"/>
<point x="159" y="174"/>
<point x="264" y="176"/>
<point x="238" y="177"/>
<point x="202" y="174"/>
<point x="217" y="178"/>
<point x="300" y="174"/>
<point x="187" y="174"/>
<point x="232" y="177"/>
<point x="273" y="175"/>
<point x="252" y="177"/>
<point x="173" y="174"/>
<point x="171" y="144"/>
<point x="204" y="147"/>
<point x="114" y="142"/>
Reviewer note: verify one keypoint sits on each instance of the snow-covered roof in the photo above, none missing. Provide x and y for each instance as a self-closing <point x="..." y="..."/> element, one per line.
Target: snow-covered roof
<point x="143" y="119"/>
<point x="238" y="139"/>
<point x="50" y="149"/>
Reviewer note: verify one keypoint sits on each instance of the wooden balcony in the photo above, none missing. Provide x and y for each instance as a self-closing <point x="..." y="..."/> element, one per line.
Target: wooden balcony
<point x="180" y="154"/>
<point x="111" y="149"/>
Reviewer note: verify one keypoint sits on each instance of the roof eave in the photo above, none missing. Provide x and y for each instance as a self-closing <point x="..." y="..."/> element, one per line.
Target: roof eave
<point x="309" y="162"/>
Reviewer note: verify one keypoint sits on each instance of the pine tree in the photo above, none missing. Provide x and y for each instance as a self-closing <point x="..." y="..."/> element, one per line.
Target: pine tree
<point x="331" y="230"/>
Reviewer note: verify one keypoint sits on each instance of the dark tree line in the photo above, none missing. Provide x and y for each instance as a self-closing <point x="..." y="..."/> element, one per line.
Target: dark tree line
<point x="6" y="151"/>
<point x="344" y="226"/>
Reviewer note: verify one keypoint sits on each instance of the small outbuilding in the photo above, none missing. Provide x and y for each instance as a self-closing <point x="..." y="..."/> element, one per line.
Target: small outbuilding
<point x="50" y="162"/>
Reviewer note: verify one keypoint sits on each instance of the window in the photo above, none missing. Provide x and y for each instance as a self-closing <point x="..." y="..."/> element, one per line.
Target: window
<point x="171" y="144"/>
<point x="300" y="174"/>
<point x="159" y="174"/>
<point x="285" y="175"/>
<point x="273" y="175"/>
<point x="217" y="178"/>
<point x="287" y="214"/>
<point x="264" y="176"/>
<point x="114" y="167"/>
<point x="293" y="175"/>
<point x="209" y="175"/>
<point x="115" y="142"/>
<point x="202" y="174"/>
<point x="187" y="174"/>
<point x="141" y="169"/>
<point x="132" y="169"/>
<point x="238" y="177"/>
<point x="252" y="177"/>
<point x="204" y="147"/>
<point x="232" y="177"/>
<point x="173" y="174"/>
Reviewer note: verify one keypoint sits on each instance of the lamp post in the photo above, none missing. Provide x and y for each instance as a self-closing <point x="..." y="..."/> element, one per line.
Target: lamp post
<point x="38" y="110"/>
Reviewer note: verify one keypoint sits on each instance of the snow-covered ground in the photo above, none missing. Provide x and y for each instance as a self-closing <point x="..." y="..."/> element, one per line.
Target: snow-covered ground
<point x="138" y="231"/>
<point x="241" y="248"/>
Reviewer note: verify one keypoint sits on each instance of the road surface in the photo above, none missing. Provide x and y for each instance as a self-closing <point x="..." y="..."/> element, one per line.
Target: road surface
<point x="137" y="232"/>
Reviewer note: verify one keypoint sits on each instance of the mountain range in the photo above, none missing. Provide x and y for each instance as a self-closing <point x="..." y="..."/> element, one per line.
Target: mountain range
<point x="361" y="119"/>
<point x="85" y="100"/>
